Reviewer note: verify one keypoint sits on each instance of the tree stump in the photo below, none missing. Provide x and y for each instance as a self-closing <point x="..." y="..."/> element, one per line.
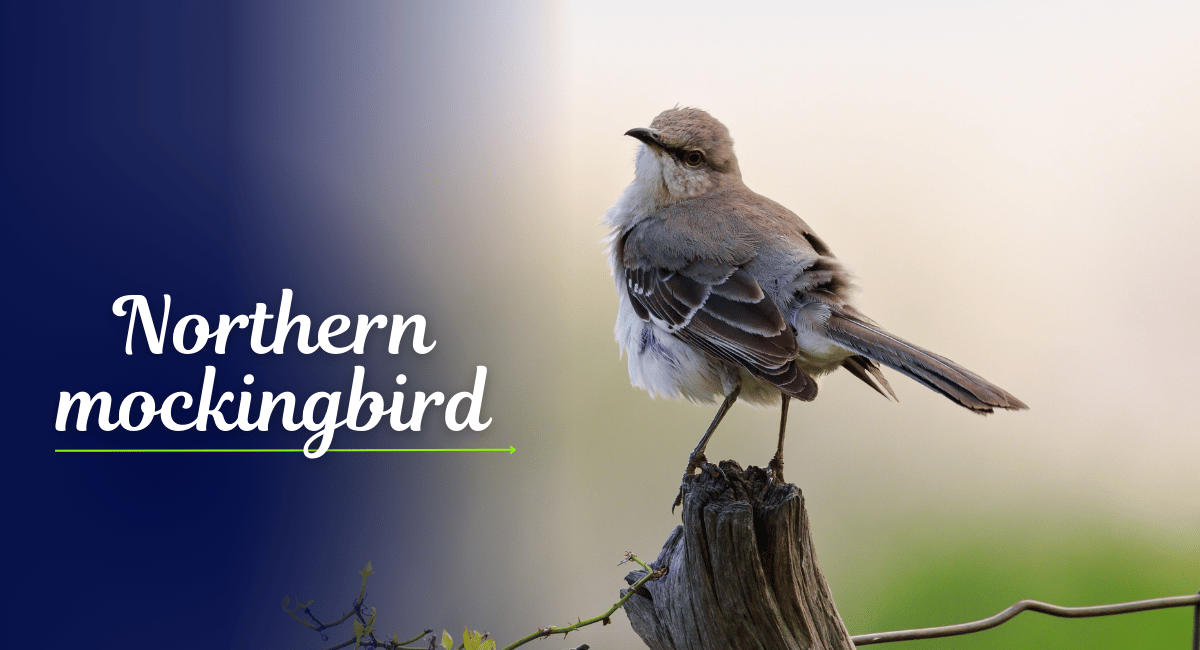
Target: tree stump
<point x="741" y="571"/>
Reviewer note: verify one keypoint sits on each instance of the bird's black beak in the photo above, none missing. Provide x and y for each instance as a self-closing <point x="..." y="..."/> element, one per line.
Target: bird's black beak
<point x="648" y="136"/>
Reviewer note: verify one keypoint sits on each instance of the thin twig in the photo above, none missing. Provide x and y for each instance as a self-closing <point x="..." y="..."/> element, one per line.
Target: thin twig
<point x="1034" y="605"/>
<point x="544" y="632"/>
<point x="319" y="627"/>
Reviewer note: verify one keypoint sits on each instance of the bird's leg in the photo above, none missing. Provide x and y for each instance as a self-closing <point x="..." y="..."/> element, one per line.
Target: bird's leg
<point x="776" y="464"/>
<point x="697" y="458"/>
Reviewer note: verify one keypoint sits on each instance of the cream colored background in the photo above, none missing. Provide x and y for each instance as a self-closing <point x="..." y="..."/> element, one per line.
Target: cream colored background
<point x="1015" y="185"/>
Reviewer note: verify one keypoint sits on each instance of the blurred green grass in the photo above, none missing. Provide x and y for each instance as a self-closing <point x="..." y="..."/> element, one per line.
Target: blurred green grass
<point x="925" y="583"/>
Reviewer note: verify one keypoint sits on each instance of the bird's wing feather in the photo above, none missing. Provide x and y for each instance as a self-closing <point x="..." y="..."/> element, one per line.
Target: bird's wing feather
<point x="728" y="318"/>
<point x="867" y="371"/>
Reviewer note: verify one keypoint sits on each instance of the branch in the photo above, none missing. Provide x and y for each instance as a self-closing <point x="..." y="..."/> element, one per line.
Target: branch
<point x="1033" y="605"/>
<point x="356" y="610"/>
<point x="544" y="632"/>
<point x="365" y="636"/>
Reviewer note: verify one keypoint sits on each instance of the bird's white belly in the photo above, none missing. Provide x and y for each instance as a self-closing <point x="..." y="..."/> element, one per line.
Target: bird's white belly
<point x="662" y="364"/>
<point x="665" y="366"/>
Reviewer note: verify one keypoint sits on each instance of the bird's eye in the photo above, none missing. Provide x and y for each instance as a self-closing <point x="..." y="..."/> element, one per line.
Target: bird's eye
<point x="693" y="158"/>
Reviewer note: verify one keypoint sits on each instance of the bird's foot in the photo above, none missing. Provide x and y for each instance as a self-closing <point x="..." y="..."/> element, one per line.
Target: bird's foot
<point x="776" y="469"/>
<point x="697" y="461"/>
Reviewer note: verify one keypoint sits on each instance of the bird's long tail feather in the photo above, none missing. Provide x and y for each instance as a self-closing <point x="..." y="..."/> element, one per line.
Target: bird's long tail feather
<point x="938" y="373"/>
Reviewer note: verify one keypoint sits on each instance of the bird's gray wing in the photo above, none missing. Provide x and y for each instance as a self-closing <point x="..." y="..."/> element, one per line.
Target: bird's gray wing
<point x="725" y="315"/>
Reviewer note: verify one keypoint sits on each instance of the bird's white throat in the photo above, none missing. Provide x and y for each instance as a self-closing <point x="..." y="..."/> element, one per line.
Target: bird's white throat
<point x="659" y="181"/>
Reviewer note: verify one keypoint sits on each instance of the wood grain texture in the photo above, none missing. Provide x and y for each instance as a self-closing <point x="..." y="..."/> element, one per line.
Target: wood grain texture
<point x="741" y="571"/>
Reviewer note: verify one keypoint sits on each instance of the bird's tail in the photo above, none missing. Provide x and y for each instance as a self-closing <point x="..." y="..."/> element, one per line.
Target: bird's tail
<point x="938" y="373"/>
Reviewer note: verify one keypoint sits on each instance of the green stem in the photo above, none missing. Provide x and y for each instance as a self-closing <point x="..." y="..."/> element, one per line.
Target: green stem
<point x="545" y="632"/>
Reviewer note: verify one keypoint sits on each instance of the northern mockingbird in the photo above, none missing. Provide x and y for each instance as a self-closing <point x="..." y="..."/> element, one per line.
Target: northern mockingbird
<point x="726" y="293"/>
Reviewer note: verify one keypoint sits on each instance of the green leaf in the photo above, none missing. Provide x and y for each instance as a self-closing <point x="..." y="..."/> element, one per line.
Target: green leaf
<point x="447" y="640"/>
<point x="474" y="641"/>
<point x="367" y="571"/>
<point x="286" y="600"/>
<point x="358" y="633"/>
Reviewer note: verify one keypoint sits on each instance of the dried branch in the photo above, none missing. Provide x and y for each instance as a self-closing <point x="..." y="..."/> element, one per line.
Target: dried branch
<point x="1032" y="605"/>
<point x="364" y="634"/>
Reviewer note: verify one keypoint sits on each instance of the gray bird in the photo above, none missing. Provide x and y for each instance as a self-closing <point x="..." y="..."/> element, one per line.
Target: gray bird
<point x="724" y="293"/>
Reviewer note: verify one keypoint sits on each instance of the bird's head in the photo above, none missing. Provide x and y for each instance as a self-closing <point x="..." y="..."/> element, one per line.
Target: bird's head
<point x="687" y="152"/>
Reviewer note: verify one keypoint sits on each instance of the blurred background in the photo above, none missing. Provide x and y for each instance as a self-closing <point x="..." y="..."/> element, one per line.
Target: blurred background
<point x="1015" y="186"/>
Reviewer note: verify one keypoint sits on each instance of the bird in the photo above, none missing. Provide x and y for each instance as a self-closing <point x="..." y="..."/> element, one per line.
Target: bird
<point x="724" y="294"/>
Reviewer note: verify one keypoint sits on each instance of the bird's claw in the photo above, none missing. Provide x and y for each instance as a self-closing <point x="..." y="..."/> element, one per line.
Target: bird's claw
<point x="695" y="462"/>
<point x="704" y="466"/>
<point x="775" y="470"/>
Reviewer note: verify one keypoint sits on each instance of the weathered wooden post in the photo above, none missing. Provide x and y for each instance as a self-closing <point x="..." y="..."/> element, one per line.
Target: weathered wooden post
<point x="742" y="572"/>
